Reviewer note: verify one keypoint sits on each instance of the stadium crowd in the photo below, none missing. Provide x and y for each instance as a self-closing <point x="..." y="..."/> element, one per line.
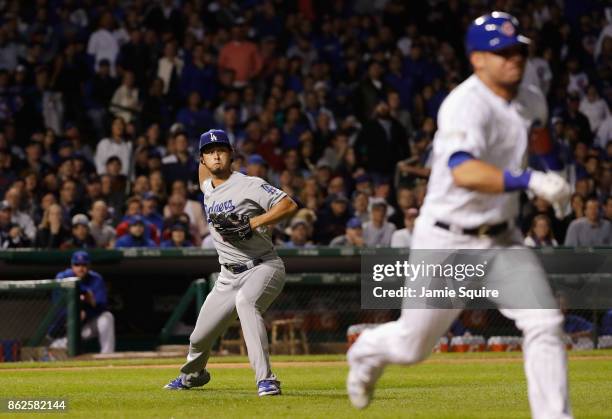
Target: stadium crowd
<point x="335" y="102"/>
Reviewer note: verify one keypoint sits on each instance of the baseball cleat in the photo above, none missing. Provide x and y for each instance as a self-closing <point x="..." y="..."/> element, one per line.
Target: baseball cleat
<point x="195" y="380"/>
<point x="359" y="392"/>
<point x="268" y="388"/>
<point x="176" y="384"/>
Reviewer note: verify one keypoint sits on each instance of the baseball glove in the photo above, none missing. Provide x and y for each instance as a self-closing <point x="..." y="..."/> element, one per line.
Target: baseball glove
<point x="231" y="226"/>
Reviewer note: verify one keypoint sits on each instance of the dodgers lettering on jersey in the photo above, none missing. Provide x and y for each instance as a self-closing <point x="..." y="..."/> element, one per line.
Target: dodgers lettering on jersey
<point x="475" y="120"/>
<point x="214" y="207"/>
<point x="242" y="194"/>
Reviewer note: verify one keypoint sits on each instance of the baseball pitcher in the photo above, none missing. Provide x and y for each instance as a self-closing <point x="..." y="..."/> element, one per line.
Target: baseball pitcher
<point x="239" y="210"/>
<point x="471" y="203"/>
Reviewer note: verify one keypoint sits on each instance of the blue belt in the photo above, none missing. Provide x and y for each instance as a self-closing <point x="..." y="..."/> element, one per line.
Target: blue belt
<point x="238" y="268"/>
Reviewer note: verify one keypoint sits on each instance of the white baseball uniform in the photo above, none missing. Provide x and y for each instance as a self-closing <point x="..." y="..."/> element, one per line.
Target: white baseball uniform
<point x="248" y="294"/>
<point x="475" y="120"/>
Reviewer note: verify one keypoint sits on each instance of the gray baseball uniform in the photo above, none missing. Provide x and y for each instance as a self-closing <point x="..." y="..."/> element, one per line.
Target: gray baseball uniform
<point x="246" y="295"/>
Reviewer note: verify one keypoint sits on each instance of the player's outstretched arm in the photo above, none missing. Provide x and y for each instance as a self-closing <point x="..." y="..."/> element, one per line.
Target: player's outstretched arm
<point x="477" y="175"/>
<point x="286" y="207"/>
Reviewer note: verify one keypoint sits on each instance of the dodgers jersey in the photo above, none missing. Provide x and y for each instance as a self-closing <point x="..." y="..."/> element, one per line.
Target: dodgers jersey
<point x="475" y="120"/>
<point x="242" y="194"/>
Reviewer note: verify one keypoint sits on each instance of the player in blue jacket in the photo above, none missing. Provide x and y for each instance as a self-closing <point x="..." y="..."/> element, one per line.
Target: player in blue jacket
<point x="95" y="317"/>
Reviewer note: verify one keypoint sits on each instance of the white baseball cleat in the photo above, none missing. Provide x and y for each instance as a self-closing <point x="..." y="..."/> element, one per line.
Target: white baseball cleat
<point x="359" y="393"/>
<point x="360" y="385"/>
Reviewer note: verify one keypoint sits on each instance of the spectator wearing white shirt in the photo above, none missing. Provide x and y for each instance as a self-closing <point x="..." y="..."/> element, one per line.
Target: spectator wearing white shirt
<point x="540" y="234"/>
<point x="578" y="80"/>
<point x="594" y="108"/>
<point x="169" y="67"/>
<point x="541" y="14"/>
<point x="115" y="145"/>
<point x="537" y="71"/>
<point x="403" y="237"/>
<point x="14" y="197"/>
<point x="99" y="227"/>
<point x="103" y="44"/>
<point x="604" y="133"/>
<point x="126" y="101"/>
<point x="606" y="32"/>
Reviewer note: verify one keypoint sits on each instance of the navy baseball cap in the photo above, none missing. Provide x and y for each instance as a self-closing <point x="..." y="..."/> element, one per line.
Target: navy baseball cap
<point x="65" y="144"/>
<point x="362" y="179"/>
<point x="214" y="136"/>
<point x="178" y="226"/>
<point x="256" y="159"/>
<point x="136" y="219"/>
<point x="80" y="257"/>
<point x="354" y="222"/>
<point x="493" y="32"/>
<point x="147" y="196"/>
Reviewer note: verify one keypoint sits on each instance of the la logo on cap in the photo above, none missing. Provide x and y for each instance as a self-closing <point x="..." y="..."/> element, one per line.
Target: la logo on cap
<point x="213" y="137"/>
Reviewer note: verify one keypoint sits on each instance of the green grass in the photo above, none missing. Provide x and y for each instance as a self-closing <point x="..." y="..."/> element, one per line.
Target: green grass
<point x="451" y="386"/>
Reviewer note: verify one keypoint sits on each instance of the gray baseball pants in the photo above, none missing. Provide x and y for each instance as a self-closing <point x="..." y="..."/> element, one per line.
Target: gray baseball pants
<point x="246" y="295"/>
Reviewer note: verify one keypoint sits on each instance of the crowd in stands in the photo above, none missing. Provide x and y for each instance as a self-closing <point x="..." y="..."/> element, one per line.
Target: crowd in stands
<point x="335" y="102"/>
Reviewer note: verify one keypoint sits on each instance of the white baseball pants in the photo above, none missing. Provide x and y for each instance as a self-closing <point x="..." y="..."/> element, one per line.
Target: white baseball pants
<point x="103" y="326"/>
<point x="411" y="338"/>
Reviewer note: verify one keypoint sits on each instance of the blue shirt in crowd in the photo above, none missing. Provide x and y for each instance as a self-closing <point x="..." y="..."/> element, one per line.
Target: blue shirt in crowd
<point x="128" y="241"/>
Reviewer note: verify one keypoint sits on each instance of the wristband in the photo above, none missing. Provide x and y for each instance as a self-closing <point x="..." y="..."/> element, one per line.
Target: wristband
<point x="518" y="182"/>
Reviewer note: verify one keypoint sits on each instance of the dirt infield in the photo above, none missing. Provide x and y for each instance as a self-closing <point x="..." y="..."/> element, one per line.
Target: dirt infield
<point x="297" y="364"/>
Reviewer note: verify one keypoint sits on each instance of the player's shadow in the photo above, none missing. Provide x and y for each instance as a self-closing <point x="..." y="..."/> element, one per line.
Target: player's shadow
<point x="239" y="393"/>
<point x="287" y="393"/>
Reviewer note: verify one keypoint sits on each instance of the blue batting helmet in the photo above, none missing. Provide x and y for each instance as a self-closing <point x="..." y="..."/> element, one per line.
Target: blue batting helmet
<point x="494" y="32"/>
<point x="214" y="136"/>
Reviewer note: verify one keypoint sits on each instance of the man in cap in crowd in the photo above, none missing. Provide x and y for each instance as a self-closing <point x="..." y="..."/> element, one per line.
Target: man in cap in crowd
<point x="353" y="235"/>
<point x="81" y="238"/>
<point x="135" y="236"/>
<point x="257" y="166"/>
<point x="331" y="220"/>
<point x="378" y="231"/>
<point x="299" y="236"/>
